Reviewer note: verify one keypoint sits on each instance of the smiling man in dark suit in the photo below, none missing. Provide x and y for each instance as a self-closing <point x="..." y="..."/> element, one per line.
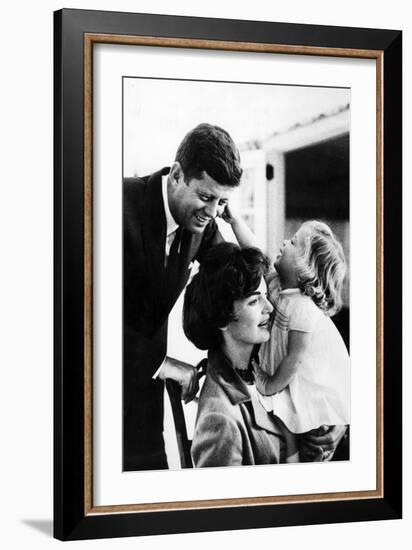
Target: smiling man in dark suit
<point x="169" y="221"/>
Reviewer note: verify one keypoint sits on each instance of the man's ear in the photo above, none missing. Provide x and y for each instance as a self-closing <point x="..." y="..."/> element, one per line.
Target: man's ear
<point x="176" y="173"/>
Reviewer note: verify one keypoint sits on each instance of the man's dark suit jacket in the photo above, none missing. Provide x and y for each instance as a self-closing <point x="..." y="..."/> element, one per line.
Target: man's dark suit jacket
<point x="148" y="298"/>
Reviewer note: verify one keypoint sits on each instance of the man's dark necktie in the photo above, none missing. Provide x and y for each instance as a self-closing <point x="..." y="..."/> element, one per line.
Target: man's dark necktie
<point x="173" y="265"/>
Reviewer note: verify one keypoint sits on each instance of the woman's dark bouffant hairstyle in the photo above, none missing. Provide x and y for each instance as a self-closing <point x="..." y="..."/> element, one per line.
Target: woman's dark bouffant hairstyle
<point x="227" y="273"/>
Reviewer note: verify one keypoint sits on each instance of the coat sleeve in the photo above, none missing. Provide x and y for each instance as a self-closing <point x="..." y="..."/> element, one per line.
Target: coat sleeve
<point x="217" y="441"/>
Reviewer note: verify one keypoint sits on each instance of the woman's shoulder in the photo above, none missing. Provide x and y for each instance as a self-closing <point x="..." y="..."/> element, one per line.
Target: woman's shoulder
<point x="212" y="395"/>
<point x="215" y="408"/>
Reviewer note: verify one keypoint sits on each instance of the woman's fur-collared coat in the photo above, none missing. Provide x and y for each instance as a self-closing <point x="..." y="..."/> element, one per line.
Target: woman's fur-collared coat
<point x="232" y="428"/>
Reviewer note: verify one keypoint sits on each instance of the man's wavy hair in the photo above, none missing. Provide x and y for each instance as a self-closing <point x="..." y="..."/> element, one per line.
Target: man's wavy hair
<point x="227" y="273"/>
<point x="210" y="149"/>
<point x="321" y="267"/>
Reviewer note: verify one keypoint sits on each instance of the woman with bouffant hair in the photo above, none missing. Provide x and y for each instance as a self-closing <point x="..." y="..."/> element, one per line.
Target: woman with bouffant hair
<point x="226" y="311"/>
<point x="228" y="273"/>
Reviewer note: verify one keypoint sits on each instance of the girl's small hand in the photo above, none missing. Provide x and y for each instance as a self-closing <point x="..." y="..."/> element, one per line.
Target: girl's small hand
<point x="229" y="215"/>
<point x="240" y="228"/>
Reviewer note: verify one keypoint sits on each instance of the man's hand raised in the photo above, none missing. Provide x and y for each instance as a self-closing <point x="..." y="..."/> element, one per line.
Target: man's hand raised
<point x="184" y="374"/>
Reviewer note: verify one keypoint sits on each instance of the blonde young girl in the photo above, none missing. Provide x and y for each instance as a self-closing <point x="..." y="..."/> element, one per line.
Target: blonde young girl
<point x="303" y="375"/>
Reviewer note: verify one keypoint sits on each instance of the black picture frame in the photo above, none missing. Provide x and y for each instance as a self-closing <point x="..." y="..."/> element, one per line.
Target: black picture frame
<point x="72" y="518"/>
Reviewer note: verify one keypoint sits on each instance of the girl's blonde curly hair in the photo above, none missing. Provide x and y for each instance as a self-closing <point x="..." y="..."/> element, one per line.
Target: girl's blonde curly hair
<point x="321" y="267"/>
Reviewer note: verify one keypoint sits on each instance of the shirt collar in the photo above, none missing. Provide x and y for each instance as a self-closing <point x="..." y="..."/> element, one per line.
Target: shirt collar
<point x="171" y="224"/>
<point x="290" y="291"/>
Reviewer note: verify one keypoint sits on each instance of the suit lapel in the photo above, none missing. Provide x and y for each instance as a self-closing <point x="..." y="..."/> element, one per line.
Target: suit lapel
<point x="154" y="242"/>
<point x="154" y="229"/>
<point x="189" y="246"/>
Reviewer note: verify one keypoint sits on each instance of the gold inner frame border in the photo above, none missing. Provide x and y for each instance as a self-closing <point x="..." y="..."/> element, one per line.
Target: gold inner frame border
<point x="93" y="38"/>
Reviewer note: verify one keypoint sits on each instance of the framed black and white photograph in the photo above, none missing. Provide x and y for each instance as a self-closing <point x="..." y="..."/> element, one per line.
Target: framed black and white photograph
<point x="226" y="274"/>
<point x="299" y="133"/>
